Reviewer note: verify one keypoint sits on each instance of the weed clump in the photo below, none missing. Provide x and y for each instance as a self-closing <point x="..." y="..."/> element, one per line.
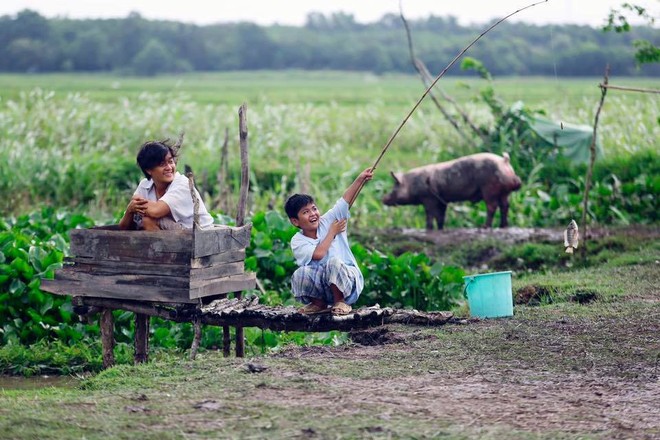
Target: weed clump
<point x="533" y="295"/>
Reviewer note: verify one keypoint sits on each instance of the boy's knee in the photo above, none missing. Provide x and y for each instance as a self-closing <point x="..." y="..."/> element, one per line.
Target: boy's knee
<point x="297" y="274"/>
<point x="150" y="224"/>
<point x="334" y="264"/>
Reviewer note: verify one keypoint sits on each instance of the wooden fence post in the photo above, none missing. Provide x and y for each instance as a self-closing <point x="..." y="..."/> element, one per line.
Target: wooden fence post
<point x="590" y="169"/>
<point x="242" y="203"/>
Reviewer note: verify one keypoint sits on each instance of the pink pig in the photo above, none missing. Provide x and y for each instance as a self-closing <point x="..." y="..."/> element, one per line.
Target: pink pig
<point x="481" y="176"/>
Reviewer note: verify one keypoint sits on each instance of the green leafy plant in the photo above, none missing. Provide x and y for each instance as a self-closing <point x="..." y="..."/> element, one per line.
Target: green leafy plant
<point x="409" y="280"/>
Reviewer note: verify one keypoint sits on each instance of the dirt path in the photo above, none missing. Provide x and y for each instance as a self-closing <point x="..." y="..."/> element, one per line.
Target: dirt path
<point x="518" y="382"/>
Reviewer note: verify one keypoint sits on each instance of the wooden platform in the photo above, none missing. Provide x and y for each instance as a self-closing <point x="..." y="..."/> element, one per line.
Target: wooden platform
<point x="247" y="312"/>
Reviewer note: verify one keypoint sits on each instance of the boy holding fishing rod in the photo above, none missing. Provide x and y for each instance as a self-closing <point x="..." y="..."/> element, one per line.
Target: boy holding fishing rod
<point x="328" y="279"/>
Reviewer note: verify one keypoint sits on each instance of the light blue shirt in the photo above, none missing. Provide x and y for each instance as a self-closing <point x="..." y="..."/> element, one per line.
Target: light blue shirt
<point x="303" y="247"/>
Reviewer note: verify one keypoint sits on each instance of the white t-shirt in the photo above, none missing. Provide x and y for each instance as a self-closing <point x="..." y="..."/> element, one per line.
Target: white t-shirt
<point x="303" y="247"/>
<point x="178" y="199"/>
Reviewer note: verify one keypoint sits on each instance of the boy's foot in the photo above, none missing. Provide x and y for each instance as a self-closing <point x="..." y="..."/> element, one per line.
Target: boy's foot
<point x="341" y="308"/>
<point x="313" y="309"/>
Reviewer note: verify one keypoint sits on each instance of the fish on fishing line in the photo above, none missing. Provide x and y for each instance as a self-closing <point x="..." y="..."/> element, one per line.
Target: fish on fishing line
<point x="571" y="237"/>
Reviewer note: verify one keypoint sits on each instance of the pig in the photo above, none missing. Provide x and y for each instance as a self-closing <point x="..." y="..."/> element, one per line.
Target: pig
<point x="481" y="176"/>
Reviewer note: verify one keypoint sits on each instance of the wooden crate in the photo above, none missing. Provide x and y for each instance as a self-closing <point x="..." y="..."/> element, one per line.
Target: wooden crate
<point x="163" y="266"/>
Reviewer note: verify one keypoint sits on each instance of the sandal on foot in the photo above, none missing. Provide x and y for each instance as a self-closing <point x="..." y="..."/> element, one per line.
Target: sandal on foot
<point x="313" y="309"/>
<point x="341" y="308"/>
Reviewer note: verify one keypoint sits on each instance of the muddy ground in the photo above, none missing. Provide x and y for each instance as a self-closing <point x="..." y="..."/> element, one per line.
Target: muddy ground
<point x="567" y="377"/>
<point x="581" y="369"/>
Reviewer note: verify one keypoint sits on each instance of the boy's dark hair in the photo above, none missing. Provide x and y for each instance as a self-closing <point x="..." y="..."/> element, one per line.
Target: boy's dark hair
<point x="152" y="154"/>
<point x="295" y="203"/>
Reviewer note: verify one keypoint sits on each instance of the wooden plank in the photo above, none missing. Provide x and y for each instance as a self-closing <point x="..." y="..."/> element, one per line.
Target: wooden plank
<point x="131" y="287"/>
<point x="221" y="239"/>
<point x="223" y="257"/>
<point x="234" y="283"/>
<point x="169" y="247"/>
<point x="217" y="271"/>
<point x="109" y="267"/>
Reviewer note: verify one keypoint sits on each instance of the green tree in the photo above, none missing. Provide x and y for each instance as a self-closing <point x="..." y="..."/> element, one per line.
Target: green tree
<point x="646" y="52"/>
<point x="153" y="59"/>
<point x="28" y="55"/>
<point x="89" y="51"/>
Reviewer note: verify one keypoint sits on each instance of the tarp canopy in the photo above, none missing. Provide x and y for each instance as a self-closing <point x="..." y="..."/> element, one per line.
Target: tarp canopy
<point x="574" y="141"/>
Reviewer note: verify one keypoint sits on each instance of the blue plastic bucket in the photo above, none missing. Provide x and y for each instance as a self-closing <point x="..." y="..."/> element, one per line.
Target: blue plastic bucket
<point x="489" y="295"/>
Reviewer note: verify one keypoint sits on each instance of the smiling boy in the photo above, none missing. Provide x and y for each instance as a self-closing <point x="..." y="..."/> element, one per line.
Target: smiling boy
<point x="328" y="274"/>
<point x="162" y="199"/>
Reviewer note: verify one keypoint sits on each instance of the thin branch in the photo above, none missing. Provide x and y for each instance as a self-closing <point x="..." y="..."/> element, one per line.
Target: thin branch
<point x="421" y="69"/>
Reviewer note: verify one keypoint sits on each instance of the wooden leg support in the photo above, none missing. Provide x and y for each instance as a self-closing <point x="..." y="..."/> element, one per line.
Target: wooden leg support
<point x="226" y="341"/>
<point x="141" y="338"/>
<point x="197" y="325"/>
<point x="240" y="340"/>
<point x="107" y="325"/>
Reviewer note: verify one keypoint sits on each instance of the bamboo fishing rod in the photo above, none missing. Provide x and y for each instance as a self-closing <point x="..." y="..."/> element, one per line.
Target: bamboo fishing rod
<point x="428" y="89"/>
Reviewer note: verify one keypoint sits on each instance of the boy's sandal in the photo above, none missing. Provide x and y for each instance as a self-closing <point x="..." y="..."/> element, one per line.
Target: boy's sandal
<point x="313" y="309"/>
<point x="341" y="308"/>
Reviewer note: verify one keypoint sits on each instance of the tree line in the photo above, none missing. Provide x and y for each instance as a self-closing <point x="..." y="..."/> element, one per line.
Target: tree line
<point x="30" y="42"/>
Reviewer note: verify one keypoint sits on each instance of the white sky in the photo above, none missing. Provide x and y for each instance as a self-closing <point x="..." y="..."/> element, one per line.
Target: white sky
<point x="294" y="12"/>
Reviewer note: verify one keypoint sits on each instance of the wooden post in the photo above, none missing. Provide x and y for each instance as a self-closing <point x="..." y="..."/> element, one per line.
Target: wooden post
<point x="590" y="170"/>
<point x="226" y="341"/>
<point x="197" y="325"/>
<point x="223" y="176"/>
<point x="242" y="202"/>
<point x="245" y="176"/>
<point x="141" y="338"/>
<point x="107" y="324"/>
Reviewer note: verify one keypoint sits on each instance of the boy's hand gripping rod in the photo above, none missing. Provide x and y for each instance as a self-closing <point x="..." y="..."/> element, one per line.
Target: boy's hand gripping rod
<point x="460" y="54"/>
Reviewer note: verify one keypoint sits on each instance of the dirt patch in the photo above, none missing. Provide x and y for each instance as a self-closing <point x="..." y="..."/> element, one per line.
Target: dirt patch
<point x="513" y="235"/>
<point x="554" y="373"/>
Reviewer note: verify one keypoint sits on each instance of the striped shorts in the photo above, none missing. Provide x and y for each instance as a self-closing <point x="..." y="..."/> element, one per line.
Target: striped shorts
<point x="314" y="282"/>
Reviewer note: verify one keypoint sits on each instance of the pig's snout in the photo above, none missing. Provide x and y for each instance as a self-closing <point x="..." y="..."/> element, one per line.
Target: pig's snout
<point x="389" y="200"/>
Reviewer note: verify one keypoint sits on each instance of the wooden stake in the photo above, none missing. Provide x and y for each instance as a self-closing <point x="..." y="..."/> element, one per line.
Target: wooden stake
<point x="592" y="160"/>
<point x="223" y="176"/>
<point x="242" y="203"/>
<point x="245" y="176"/>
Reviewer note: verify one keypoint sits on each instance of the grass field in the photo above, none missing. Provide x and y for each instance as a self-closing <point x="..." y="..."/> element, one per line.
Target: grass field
<point x="80" y="132"/>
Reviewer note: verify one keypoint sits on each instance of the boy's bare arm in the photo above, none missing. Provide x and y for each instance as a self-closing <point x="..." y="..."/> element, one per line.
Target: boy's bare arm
<point x="337" y="227"/>
<point x="352" y="190"/>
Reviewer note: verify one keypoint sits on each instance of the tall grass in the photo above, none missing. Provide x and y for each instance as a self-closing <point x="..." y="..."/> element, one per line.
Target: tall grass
<point x="70" y="141"/>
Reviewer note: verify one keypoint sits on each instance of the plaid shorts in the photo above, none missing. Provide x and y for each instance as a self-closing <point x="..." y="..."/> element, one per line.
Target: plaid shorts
<point x="314" y="281"/>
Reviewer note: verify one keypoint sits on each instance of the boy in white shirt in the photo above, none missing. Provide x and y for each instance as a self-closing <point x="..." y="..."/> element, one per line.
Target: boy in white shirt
<point x="328" y="279"/>
<point x="162" y="200"/>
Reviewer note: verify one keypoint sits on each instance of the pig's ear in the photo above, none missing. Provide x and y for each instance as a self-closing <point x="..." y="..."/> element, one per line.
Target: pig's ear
<point x="396" y="176"/>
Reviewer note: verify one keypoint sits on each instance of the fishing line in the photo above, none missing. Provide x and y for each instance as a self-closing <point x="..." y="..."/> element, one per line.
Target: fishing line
<point x="554" y="65"/>
<point x="460" y="54"/>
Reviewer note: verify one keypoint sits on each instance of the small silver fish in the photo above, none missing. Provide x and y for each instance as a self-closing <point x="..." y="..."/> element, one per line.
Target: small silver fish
<point x="571" y="237"/>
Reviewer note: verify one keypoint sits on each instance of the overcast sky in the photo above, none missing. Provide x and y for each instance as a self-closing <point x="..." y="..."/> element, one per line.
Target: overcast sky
<point x="294" y="12"/>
